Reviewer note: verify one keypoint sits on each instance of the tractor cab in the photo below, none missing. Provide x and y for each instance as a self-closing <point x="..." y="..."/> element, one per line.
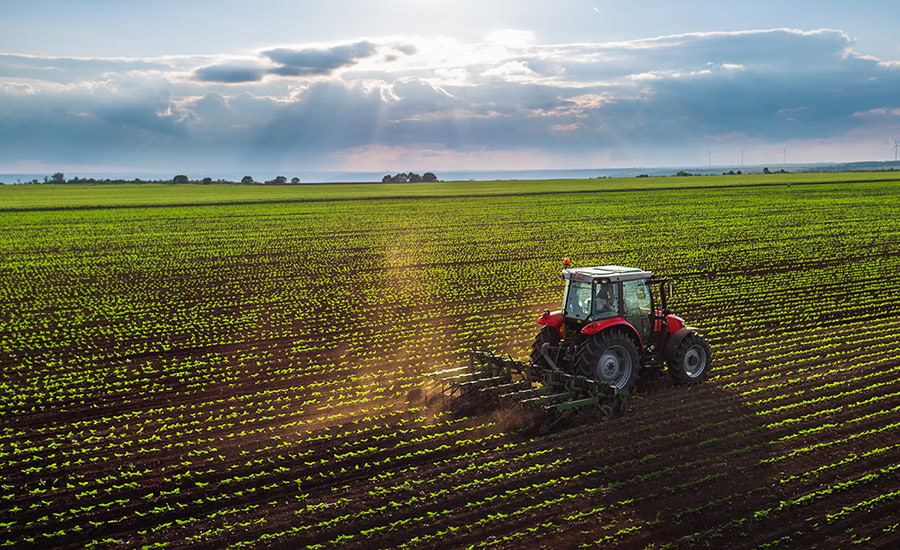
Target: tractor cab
<point x="597" y="293"/>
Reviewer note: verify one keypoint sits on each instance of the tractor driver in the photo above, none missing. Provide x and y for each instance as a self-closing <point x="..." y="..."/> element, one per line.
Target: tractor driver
<point x="605" y="301"/>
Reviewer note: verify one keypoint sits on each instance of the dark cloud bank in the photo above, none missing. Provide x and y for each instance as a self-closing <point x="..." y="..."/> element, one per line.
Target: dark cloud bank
<point x="668" y="93"/>
<point x="290" y="63"/>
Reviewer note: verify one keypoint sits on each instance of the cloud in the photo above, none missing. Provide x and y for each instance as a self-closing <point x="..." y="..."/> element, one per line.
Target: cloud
<point x="289" y="62"/>
<point x="306" y="62"/>
<point x="229" y="74"/>
<point x="651" y="100"/>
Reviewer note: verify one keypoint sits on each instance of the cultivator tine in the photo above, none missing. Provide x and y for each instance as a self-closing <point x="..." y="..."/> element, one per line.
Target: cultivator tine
<point x="486" y="382"/>
<point x="621" y="403"/>
<point x="615" y="407"/>
<point x="456" y="384"/>
<point x="528" y="393"/>
<point x="512" y="387"/>
<point x="466" y="376"/>
<point x="552" y="399"/>
<point x="578" y="403"/>
<point x="449" y="371"/>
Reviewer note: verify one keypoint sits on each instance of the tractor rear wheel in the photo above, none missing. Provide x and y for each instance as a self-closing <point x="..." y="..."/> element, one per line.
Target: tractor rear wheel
<point x="690" y="362"/>
<point x="547" y="335"/>
<point x="610" y="357"/>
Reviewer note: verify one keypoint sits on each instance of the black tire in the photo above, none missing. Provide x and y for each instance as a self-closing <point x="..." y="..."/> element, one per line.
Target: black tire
<point x="547" y="335"/>
<point x="610" y="357"/>
<point x="690" y="363"/>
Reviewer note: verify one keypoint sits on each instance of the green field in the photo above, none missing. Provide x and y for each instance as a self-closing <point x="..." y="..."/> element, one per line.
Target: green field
<point x="16" y="197"/>
<point x="229" y="366"/>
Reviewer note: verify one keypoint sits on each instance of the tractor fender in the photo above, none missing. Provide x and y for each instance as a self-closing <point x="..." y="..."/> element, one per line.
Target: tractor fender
<point x="551" y="318"/>
<point x="674" y="323"/>
<point x="675" y="339"/>
<point x="603" y="324"/>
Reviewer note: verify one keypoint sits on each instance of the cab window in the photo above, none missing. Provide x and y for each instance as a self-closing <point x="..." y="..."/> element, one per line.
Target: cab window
<point x="637" y="297"/>
<point x="578" y="300"/>
<point x="606" y="300"/>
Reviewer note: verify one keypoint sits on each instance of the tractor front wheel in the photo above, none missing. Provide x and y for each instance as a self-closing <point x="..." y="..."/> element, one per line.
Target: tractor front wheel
<point x="610" y="357"/>
<point x="690" y="362"/>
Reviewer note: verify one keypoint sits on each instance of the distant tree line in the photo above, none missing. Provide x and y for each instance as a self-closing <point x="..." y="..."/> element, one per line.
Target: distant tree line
<point x="180" y="179"/>
<point x="411" y="177"/>
<point x="59" y="177"/>
<point x="682" y="173"/>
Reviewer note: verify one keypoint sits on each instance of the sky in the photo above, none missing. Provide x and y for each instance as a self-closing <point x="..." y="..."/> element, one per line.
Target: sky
<point x="222" y="86"/>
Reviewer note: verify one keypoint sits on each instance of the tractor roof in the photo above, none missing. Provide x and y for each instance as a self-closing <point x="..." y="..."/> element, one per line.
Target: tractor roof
<point x="605" y="274"/>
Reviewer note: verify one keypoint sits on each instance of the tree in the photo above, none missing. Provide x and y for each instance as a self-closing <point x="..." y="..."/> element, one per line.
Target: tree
<point x="295" y="181"/>
<point x="180" y="178"/>
<point x="280" y="180"/>
<point x="408" y="177"/>
<point x="247" y="180"/>
<point x="58" y="178"/>
<point x="207" y="181"/>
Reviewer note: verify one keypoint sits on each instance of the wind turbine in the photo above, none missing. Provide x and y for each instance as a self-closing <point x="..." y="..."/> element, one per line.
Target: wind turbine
<point x="896" y="147"/>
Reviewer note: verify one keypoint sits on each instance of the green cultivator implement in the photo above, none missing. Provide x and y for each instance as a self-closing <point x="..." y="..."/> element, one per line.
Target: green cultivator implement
<point x="545" y="394"/>
<point x="615" y="322"/>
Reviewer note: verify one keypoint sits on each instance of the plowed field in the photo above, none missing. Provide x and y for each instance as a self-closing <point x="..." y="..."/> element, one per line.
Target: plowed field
<point x="240" y="367"/>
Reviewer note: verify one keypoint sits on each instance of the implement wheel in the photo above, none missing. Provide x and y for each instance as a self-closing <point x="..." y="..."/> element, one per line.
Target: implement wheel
<point x="690" y="362"/>
<point x="611" y="358"/>
<point x="547" y="335"/>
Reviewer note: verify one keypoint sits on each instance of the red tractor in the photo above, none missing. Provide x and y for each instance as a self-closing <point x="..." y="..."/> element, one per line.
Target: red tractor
<point x="615" y="321"/>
